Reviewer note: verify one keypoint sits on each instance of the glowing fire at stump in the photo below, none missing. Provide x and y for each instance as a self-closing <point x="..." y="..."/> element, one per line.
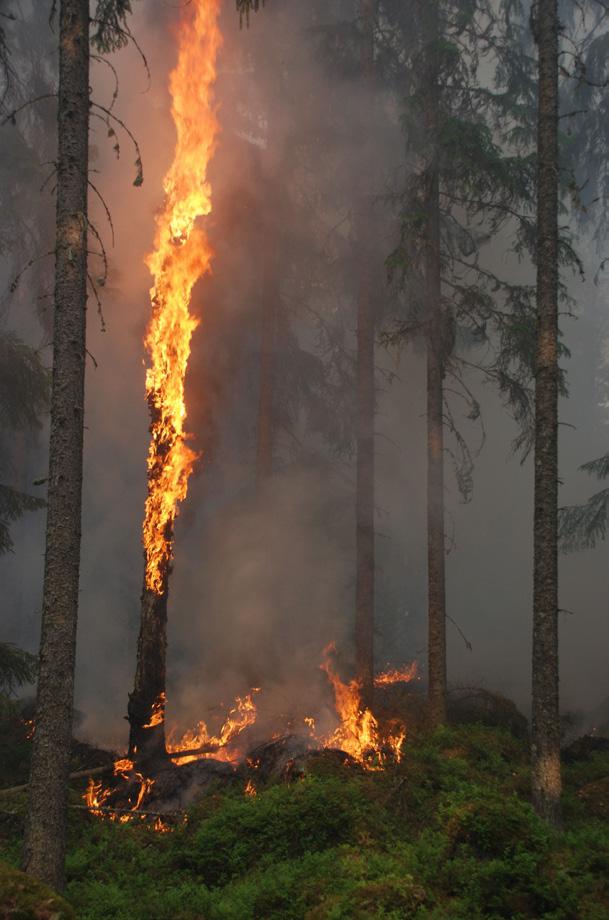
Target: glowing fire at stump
<point x="200" y="760"/>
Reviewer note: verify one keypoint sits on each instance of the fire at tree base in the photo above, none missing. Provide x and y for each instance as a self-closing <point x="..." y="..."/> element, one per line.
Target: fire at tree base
<point x="146" y="708"/>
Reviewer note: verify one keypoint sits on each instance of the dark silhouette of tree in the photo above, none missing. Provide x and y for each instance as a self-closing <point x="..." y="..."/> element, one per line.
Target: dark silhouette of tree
<point x="462" y="188"/>
<point x="44" y="843"/>
<point x="545" y="729"/>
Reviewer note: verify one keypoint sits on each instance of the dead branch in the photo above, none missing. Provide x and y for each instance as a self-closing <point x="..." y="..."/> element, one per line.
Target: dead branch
<point x="79" y="774"/>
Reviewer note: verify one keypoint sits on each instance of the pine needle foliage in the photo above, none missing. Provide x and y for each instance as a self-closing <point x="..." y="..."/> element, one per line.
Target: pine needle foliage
<point x="17" y="668"/>
<point x="245" y="7"/>
<point x="24" y="384"/>
<point x="111" y="31"/>
<point x="583" y="526"/>
<point x="14" y="504"/>
<point x="24" y="396"/>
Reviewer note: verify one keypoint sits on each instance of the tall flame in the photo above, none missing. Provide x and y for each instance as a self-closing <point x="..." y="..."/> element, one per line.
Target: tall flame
<point x="181" y="255"/>
<point x="359" y="732"/>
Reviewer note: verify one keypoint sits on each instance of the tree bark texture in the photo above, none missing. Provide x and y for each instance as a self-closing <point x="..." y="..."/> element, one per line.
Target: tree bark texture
<point x="545" y="715"/>
<point x="436" y="550"/>
<point x="146" y="708"/>
<point x="365" y="394"/>
<point x="45" y="833"/>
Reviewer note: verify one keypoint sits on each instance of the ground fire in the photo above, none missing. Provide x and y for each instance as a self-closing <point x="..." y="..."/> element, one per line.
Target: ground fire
<point x="359" y="739"/>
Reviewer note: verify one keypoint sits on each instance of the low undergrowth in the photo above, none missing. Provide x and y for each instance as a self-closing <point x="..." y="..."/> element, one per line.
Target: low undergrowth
<point x="448" y="834"/>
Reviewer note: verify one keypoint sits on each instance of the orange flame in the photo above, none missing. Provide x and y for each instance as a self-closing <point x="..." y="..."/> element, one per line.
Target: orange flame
<point x="181" y="255"/>
<point x="95" y="796"/>
<point x="157" y="716"/>
<point x="395" y="676"/>
<point x="242" y="715"/>
<point x="250" y="789"/>
<point x="358" y="732"/>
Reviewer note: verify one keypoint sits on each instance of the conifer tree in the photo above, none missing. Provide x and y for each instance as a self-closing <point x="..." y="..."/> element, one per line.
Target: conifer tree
<point x="44" y="843"/>
<point x="545" y="735"/>
<point x="461" y="189"/>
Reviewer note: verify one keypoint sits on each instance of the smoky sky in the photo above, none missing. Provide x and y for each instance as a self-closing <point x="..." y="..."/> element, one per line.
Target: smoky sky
<point x="264" y="579"/>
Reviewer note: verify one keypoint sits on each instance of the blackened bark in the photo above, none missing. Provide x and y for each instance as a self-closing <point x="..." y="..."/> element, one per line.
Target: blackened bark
<point x="45" y="833"/>
<point x="146" y="709"/>
<point x="545" y="720"/>
<point x="365" y="393"/>
<point x="436" y="551"/>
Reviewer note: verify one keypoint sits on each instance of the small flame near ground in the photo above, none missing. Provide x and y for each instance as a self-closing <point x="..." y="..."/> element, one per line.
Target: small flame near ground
<point x="241" y="716"/>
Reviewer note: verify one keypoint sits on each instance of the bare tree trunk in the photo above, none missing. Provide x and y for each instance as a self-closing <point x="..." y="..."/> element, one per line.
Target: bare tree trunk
<point x="365" y="392"/>
<point x="146" y="709"/>
<point x="436" y="550"/>
<point x="264" y="445"/>
<point x="44" y="845"/>
<point x="546" y="720"/>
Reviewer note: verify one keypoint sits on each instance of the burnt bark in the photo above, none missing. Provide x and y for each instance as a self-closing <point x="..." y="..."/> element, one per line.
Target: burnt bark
<point x="146" y="708"/>
<point x="45" y="833"/>
<point x="365" y="396"/>
<point x="545" y="734"/>
<point x="436" y="550"/>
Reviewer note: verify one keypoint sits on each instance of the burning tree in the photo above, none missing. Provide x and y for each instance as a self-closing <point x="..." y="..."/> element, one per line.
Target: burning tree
<point x="181" y="255"/>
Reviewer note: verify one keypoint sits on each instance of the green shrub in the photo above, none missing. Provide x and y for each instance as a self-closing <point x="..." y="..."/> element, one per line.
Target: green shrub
<point x="284" y="823"/>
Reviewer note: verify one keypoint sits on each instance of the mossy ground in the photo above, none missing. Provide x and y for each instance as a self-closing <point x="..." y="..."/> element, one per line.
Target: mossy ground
<point x="448" y="834"/>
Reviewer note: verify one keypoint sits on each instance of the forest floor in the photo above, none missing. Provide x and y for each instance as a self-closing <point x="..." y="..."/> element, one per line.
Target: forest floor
<point x="447" y="834"/>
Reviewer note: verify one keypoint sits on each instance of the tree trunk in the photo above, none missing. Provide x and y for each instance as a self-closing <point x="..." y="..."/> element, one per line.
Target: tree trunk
<point x="546" y="720"/>
<point x="436" y="551"/>
<point x="146" y="708"/>
<point x="365" y="393"/>
<point x="264" y="445"/>
<point x="44" y="845"/>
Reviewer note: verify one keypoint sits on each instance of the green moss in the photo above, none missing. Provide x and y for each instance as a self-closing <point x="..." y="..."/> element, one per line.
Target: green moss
<point x="23" y="898"/>
<point x="448" y="834"/>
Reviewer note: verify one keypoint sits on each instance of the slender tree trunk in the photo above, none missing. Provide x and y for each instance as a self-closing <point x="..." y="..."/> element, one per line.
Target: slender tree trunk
<point x="365" y="393"/>
<point x="44" y="845"/>
<point x="146" y="709"/>
<point x="436" y="551"/>
<point x="546" y="721"/>
<point x="264" y="446"/>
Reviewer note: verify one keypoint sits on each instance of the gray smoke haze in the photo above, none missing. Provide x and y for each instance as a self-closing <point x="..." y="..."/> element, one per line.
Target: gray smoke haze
<point x="262" y="582"/>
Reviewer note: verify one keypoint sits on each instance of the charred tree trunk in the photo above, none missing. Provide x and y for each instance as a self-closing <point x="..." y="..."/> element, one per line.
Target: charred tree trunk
<point x="264" y="444"/>
<point x="545" y="716"/>
<point x="436" y="551"/>
<point x="44" y="845"/>
<point x="146" y="709"/>
<point x="365" y="393"/>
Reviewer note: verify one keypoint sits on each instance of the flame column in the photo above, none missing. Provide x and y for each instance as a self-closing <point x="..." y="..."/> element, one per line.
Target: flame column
<point x="181" y="255"/>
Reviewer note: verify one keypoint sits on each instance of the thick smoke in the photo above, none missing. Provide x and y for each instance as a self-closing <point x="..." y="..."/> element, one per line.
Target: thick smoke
<point x="264" y="578"/>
